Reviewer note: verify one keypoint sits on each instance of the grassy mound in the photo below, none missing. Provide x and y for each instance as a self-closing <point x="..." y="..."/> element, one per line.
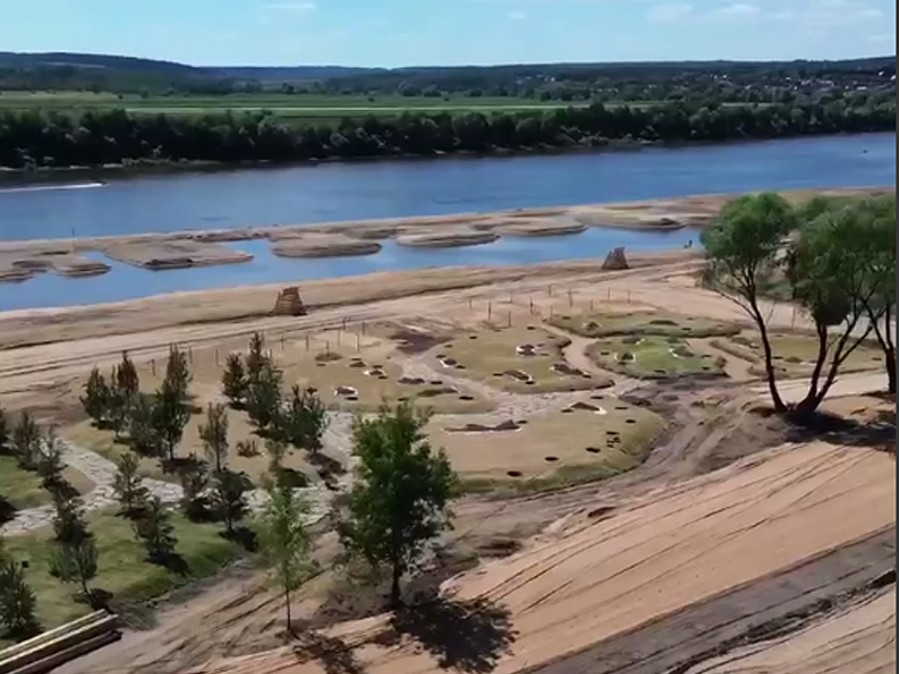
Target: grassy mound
<point x="653" y="358"/>
<point x="643" y="323"/>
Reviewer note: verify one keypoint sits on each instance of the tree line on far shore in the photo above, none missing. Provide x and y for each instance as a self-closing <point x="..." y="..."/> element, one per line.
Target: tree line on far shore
<point x="35" y="140"/>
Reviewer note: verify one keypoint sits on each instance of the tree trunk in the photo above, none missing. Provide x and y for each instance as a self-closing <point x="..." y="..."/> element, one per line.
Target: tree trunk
<point x="885" y="339"/>
<point x="287" y="604"/>
<point x="811" y="400"/>
<point x="778" y="402"/>
<point x="395" y="599"/>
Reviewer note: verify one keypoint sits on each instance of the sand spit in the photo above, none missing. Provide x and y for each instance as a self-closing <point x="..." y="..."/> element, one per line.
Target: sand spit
<point x="542" y="228"/>
<point x="441" y="238"/>
<point x="158" y="255"/>
<point x="585" y="581"/>
<point x="165" y="251"/>
<point x="323" y="245"/>
<point x="23" y="265"/>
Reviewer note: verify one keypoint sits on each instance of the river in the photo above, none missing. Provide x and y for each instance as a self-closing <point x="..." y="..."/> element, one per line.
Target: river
<point x="348" y="191"/>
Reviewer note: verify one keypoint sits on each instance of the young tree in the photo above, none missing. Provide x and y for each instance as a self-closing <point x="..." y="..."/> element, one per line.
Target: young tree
<point x="76" y="563"/>
<point x="304" y="420"/>
<point x="118" y="406"/>
<point x="285" y="540"/>
<point x="743" y="250"/>
<point x="143" y="435"/>
<point x="399" y="502"/>
<point x="194" y="484"/>
<point x="17" y="601"/>
<point x="256" y="356"/>
<point x="96" y="397"/>
<point x="129" y="487"/>
<point x="276" y="451"/>
<point x="214" y="434"/>
<point x="234" y="381"/>
<point x="157" y="533"/>
<point x="49" y="462"/>
<point x="68" y="520"/>
<point x="177" y="373"/>
<point x="26" y="442"/>
<point x="170" y="416"/>
<point x="229" y="497"/>
<point x="264" y="397"/>
<point x="127" y="381"/>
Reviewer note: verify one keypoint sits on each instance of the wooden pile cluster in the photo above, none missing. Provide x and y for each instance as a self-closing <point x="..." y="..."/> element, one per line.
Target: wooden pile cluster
<point x="616" y="260"/>
<point x="51" y="649"/>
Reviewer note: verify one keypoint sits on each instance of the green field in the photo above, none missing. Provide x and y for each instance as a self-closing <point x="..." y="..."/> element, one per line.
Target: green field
<point x="292" y="107"/>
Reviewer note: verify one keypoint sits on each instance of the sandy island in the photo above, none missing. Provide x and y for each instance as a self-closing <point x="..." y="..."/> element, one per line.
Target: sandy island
<point x="20" y="260"/>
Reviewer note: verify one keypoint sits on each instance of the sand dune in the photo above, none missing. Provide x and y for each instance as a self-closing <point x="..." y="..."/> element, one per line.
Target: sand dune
<point x="586" y="581"/>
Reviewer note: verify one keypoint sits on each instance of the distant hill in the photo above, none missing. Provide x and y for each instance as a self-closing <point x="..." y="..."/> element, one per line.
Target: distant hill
<point x="103" y="72"/>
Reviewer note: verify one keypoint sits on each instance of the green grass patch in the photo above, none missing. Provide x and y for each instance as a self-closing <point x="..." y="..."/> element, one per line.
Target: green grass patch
<point x="122" y="566"/>
<point x="516" y="359"/>
<point x="795" y="354"/>
<point x="643" y="323"/>
<point x="23" y="488"/>
<point x="651" y="357"/>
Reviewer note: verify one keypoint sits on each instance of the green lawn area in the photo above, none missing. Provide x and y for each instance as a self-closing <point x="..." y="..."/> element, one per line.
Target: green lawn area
<point x="795" y="354"/>
<point x="122" y="569"/>
<point x="652" y="357"/>
<point x="492" y="356"/>
<point x="23" y="488"/>
<point x="642" y="323"/>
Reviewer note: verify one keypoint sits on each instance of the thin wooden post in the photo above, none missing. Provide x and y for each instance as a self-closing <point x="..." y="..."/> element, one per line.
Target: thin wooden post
<point x="344" y="322"/>
<point x="608" y="294"/>
<point x="628" y="296"/>
<point x="307" y="342"/>
<point x="153" y="366"/>
<point x="531" y="305"/>
<point x="509" y="321"/>
<point x="357" y="343"/>
<point x="489" y="310"/>
<point x="469" y="303"/>
<point x="190" y="354"/>
<point x="216" y="355"/>
<point x="549" y="290"/>
<point x="363" y="328"/>
<point x="327" y="347"/>
<point x="338" y="337"/>
<point x="551" y="310"/>
<point x="282" y="341"/>
<point x="570" y="298"/>
<point x="591" y="305"/>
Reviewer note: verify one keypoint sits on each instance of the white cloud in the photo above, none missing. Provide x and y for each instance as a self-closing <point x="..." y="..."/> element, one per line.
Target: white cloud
<point x="871" y="13"/>
<point x="515" y="15"/>
<point x="738" y="10"/>
<point x="669" y="12"/>
<point x="301" y="7"/>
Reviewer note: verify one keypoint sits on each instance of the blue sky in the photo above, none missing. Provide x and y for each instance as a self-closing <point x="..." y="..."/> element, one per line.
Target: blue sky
<point x="426" y="32"/>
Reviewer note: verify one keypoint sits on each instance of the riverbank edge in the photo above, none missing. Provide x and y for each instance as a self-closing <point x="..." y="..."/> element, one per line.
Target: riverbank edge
<point x="16" y="177"/>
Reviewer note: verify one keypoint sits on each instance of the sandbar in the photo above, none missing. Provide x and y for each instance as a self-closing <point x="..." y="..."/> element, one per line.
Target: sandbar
<point x="323" y="245"/>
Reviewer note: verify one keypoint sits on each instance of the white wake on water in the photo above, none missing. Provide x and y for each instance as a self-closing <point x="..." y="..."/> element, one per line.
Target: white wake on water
<point x="45" y="188"/>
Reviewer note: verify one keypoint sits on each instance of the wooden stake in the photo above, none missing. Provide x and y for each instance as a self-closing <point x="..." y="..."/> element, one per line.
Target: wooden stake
<point x="469" y="303"/>
<point x="531" y="304"/>
<point x="549" y="290"/>
<point x="307" y="342"/>
<point x="357" y="343"/>
<point x="338" y="338"/>
<point x="489" y="310"/>
<point x="591" y="305"/>
<point x="570" y="298"/>
<point x="153" y="366"/>
<point x="509" y="322"/>
<point x="282" y="341"/>
<point x="216" y="355"/>
<point x="190" y="354"/>
<point x="608" y="294"/>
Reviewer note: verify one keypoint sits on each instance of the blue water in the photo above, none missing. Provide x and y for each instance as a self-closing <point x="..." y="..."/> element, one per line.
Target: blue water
<point x="126" y="282"/>
<point x="308" y="194"/>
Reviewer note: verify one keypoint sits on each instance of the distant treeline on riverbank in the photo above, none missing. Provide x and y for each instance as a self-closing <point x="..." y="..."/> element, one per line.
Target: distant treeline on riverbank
<point x="35" y="140"/>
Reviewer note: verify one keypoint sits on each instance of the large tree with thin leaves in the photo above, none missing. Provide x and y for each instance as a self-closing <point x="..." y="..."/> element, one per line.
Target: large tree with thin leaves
<point x="744" y="251"/>
<point x="285" y="540"/>
<point x="833" y="279"/>
<point x="76" y="563"/>
<point x="399" y="502"/>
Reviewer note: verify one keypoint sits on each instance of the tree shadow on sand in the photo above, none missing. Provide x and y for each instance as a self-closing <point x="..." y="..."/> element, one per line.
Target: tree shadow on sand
<point x="331" y="653"/>
<point x="463" y="635"/>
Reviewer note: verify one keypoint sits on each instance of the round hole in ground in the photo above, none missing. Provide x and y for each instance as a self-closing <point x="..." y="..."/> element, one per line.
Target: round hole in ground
<point x="630" y="421"/>
<point x="593" y="450"/>
<point x="466" y="397"/>
<point x="472" y="336"/>
<point x="321" y="364"/>
<point x="513" y="473"/>
<point x="620" y="407"/>
<point x="612" y="433"/>
<point x="551" y="459"/>
<point x="498" y="374"/>
<point x="706" y="368"/>
<point x="402" y="399"/>
<point x="530" y="382"/>
<point x="532" y="327"/>
<point x="521" y="422"/>
<point x="567" y="410"/>
<point x="352" y="399"/>
<point x="460" y="367"/>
